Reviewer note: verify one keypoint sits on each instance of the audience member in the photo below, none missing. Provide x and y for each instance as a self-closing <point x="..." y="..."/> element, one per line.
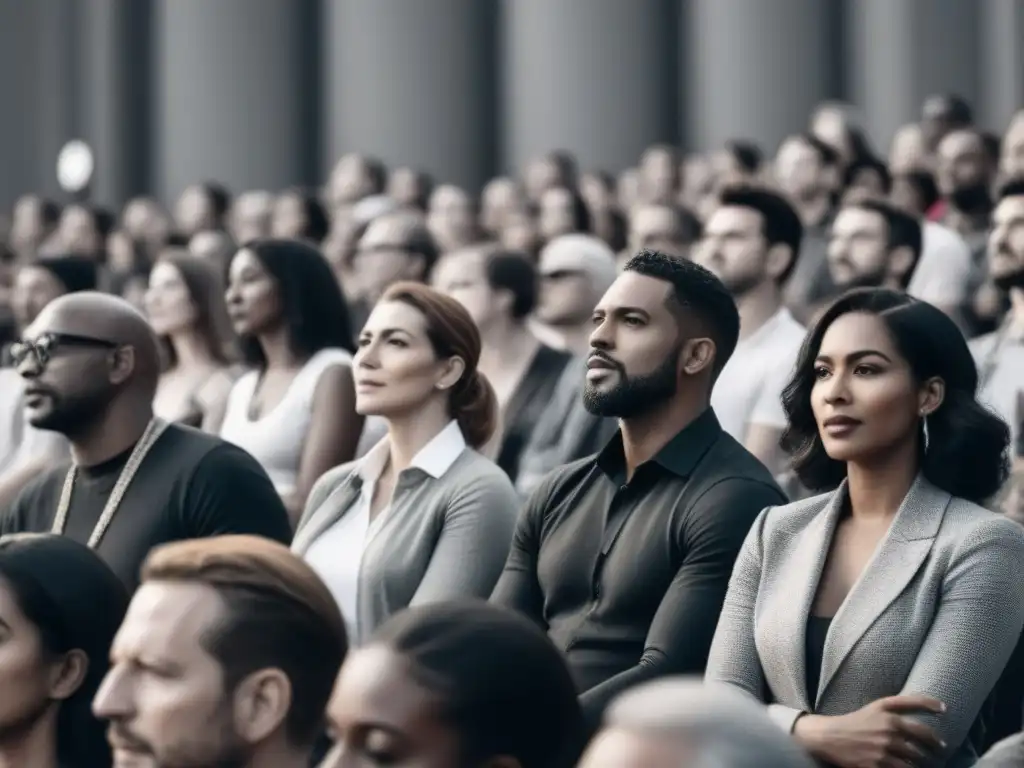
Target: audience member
<point x="456" y="685"/>
<point x="629" y="596"/>
<point x="422" y="517"/>
<point x="299" y="215"/>
<point x="683" y="723"/>
<point x="880" y="615"/>
<point x="91" y="365"/>
<point x="751" y="243"/>
<point x="575" y="270"/>
<point x="185" y="307"/>
<point x="294" y="411"/>
<point x="499" y="290"/>
<point x="873" y="245"/>
<point x="26" y="451"/>
<point x="226" y="656"/>
<point x="202" y="207"/>
<point x="60" y="606"/>
<point x="1000" y="354"/>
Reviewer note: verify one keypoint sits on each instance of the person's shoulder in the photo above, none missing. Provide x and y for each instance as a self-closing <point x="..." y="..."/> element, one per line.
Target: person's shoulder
<point x="192" y="445"/>
<point x="1008" y="753"/>
<point x="473" y="470"/>
<point x="936" y="235"/>
<point x="729" y="462"/>
<point x="561" y="481"/>
<point x="966" y="525"/>
<point x="980" y="345"/>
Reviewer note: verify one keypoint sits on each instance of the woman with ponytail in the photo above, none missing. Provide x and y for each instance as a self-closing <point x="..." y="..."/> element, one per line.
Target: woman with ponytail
<point x="874" y="620"/>
<point x="423" y="517"/>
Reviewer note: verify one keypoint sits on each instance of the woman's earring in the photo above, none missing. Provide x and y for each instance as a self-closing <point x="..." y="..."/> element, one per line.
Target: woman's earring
<point x="924" y="430"/>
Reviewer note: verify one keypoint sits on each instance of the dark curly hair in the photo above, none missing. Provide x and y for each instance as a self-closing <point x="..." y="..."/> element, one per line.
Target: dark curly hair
<point x="315" y="311"/>
<point x="967" y="453"/>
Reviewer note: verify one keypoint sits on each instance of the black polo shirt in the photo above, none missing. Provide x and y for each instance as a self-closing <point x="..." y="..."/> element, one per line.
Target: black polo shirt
<point x="628" y="579"/>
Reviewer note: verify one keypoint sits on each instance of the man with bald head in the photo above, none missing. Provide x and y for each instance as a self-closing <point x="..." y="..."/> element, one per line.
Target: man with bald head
<point x="91" y="363"/>
<point x="683" y="723"/>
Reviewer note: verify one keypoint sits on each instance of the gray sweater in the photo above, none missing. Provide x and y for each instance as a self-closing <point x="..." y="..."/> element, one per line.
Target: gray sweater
<point x="443" y="538"/>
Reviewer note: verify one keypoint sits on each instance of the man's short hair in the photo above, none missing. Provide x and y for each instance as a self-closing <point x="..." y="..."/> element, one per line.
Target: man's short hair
<point x="780" y="222"/>
<point x="696" y="290"/>
<point x="747" y="154"/>
<point x="872" y="164"/>
<point x="720" y="726"/>
<point x="1012" y="188"/>
<point x="279" y="615"/>
<point x="826" y="154"/>
<point x="904" y="230"/>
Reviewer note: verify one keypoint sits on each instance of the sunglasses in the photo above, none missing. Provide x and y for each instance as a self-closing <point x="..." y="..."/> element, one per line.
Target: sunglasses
<point x="42" y="348"/>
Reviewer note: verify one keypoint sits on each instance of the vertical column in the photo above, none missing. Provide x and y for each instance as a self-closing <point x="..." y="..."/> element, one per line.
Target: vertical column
<point x="1002" y="61"/>
<point x="904" y="51"/>
<point x="115" y="68"/>
<point x="413" y="84"/>
<point x="36" y="89"/>
<point x="757" y="69"/>
<point x="232" y="103"/>
<point x="597" y="77"/>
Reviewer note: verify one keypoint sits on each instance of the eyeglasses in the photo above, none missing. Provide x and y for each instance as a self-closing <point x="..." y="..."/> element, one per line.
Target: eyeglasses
<point x="42" y="348"/>
<point x="560" y="274"/>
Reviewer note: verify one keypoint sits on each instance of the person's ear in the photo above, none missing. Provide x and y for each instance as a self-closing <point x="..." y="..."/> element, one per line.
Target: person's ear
<point x="931" y="396"/>
<point x="698" y="355"/>
<point x="901" y="262"/>
<point x="123" y="364"/>
<point x="454" y="368"/>
<point x="261" y="704"/>
<point x="68" y="674"/>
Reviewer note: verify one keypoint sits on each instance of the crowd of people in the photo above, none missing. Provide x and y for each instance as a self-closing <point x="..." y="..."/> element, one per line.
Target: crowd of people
<point x="716" y="462"/>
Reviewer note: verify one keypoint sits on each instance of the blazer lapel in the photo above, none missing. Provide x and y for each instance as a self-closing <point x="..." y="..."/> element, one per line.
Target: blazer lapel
<point x="895" y="562"/>
<point x="788" y="610"/>
<point x="334" y="506"/>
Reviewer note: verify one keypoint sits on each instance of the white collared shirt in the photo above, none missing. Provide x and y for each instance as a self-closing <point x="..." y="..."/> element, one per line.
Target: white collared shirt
<point x="337" y="554"/>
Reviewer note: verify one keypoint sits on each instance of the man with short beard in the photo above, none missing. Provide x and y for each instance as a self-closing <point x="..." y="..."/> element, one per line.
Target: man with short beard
<point x="1000" y="355"/>
<point x="91" y="363"/>
<point x="226" y="657"/>
<point x="625" y="557"/>
<point x="873" y="245"/>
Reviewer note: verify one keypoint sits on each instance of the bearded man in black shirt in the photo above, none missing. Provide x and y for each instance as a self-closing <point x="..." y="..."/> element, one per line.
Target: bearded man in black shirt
<point x="91" y="364"/>
<point x="625" y="557"/>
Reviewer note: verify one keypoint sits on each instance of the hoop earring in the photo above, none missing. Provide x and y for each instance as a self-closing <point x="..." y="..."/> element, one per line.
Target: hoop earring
<point x="924" y="431"/>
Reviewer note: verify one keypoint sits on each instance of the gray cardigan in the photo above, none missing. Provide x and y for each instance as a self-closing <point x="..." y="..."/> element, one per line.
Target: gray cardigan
<point x="937" y="611"/>
<point x="443" y="538"/>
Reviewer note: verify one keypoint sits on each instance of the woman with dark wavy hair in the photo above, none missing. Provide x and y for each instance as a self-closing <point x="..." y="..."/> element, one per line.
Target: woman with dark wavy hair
<point x="295" y="410"/>
<point x="60" y="607"/>
<point x="875" y="619"/>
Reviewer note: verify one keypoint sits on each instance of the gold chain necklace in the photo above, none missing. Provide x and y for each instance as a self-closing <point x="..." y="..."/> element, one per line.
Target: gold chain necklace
<point x="154" y="429"/>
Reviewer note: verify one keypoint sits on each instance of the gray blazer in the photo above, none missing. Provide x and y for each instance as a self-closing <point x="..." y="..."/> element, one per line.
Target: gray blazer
<point x="937" y="611"/>
<point x="443" y="538"/>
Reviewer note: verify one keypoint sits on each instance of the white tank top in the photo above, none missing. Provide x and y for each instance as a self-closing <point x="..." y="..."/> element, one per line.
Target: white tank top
<point x="276" y="439"/>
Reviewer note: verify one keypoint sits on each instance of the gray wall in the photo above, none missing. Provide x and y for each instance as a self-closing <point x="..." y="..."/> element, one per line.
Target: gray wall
<point x="267" y="93"/>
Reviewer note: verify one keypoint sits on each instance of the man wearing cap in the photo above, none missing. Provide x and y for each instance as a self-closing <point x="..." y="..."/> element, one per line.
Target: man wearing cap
<point x="575" y="271"/>
<point x="24" y="450"/>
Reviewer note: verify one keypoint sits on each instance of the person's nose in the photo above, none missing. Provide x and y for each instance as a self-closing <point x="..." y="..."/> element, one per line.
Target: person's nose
<point x="367" y="356"/>
<point x="836" y="389"/>
<point x="113" y="699"/>
<point x="29" y="367"/>
<point x="603" y="335"/>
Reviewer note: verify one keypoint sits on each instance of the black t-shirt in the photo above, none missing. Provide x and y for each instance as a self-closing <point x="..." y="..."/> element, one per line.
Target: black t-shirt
<point x="190" y="485"/>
